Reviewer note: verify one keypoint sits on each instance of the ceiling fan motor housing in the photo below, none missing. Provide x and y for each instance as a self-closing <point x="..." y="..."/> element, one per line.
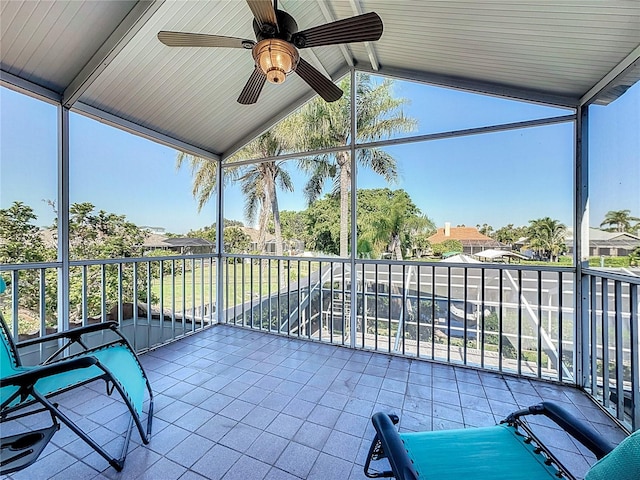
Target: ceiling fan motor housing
<point x="274" y="53"/>
<point x="286" y="27"/>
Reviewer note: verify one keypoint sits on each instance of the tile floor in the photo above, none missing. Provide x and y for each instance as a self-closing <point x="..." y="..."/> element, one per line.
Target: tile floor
<point x="237" y="404"/>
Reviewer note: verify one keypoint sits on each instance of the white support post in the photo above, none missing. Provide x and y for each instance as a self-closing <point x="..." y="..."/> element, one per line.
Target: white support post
<point x="63" y="218"/>
<point x="354" y="184"/>
<point x="581" y="247"/>
<point x="220" y="287"/>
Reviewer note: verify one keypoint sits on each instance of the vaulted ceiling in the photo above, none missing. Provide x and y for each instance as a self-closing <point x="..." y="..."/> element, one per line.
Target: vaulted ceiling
<point x="103" y="58"/>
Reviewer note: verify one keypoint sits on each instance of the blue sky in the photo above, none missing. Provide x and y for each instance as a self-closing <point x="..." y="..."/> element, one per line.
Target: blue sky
<point x="499" y="178"/>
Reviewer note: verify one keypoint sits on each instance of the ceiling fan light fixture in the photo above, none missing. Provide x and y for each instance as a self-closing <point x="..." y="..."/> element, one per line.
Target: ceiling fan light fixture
<point x="276" y="58"/>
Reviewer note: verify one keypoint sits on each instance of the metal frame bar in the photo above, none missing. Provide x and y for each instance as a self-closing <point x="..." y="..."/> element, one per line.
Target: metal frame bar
<point x="63" y="218"/>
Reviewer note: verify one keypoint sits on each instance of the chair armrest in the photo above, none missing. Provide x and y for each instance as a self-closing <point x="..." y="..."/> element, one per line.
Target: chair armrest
<point x="578" y="429"/>
<point x="73" y="334"/>
<point x="29" y="377"/>
<point x="393" y="447"/>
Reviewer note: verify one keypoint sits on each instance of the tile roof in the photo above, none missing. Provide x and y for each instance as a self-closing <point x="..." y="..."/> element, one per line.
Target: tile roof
<point x="459" y="233"/>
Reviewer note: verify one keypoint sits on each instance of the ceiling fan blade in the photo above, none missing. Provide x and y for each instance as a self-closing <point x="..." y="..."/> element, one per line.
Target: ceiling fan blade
<point x="252" y="88"/>
<point x="184" y="39"/>
<point x="324" y="87"/>
<point x="362" y="28"/>
<point x="263" y="11"/>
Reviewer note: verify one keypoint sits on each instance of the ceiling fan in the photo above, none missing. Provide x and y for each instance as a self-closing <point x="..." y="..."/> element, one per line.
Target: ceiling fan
<point x="275" y="50"/>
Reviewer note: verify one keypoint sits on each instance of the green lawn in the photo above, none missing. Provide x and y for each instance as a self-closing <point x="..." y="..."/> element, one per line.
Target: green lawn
<point x="193" y="287"/>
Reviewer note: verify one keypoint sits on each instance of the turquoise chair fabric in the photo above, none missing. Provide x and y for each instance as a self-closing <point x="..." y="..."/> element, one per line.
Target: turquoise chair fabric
<point x="622" y="463"/>
<point x="114" y="362"/>
<point x="496" y="453"/>
<point x="118" y="360"/>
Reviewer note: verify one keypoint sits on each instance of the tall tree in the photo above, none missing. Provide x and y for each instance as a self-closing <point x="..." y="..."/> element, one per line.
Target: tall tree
<point x="379" y="115"/>
<point x="21" y="242"/>
<point x="260" y="183"/>
<point x="547" y="237"/>
<point x="510" y="234"/>
<point x="397" y="218"/>
<point x="619" y="221"/>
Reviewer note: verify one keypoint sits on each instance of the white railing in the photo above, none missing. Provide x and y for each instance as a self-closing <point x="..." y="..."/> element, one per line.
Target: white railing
<point x="506" y="318"/>
<point x="614" y="345"/>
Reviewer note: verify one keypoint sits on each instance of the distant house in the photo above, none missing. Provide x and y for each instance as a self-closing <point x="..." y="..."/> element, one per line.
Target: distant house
<point x="180" y="245"/>
<point x="471" y="239"/>
<point x="608" y="244"/>
<point x="289" y="247"/>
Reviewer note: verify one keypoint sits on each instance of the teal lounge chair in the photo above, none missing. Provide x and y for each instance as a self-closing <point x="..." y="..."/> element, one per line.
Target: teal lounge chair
<point x="27" y="390"/>
<point x="508" y="451"/>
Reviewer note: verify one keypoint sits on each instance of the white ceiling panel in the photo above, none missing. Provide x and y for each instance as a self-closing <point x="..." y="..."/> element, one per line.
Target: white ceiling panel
<point x="48" y="43"/>
<point x="105" y="54"/>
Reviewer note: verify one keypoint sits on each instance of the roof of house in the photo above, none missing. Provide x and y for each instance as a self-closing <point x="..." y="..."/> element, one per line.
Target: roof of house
<point x="154" y="240"/>
<point x="188" y="242"/>
<point x="602" y="238"/>
<point x="463" y="234"/>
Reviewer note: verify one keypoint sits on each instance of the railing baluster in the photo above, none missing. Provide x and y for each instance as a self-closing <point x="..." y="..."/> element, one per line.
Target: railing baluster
<point x="211" y="306"/>
<point x="299" y="309"/>
<point x="345" y="319"/>
<point x="389" y="334"/>
<point x="161" y="300"/>
<point x="43" y="311"/>
<point x="120" y="306"/>
<point x="84" y="295"/>
<point x="560" y="327"/>
<point x="243" y="299"/>
<point x="481" y="340"/>
<point x="173" y="299"/>
<point x="418" y="312"/>
<point x="288" y="297"/>
<point x="331" y="305"/>
<point x="278" y="303"/>
<point x="634" y="337"/>
<point x="320" y="301"/>
<point x="449" y="287"/>
<point x="149" y="340"/>
<point x="270" y="313"/>
<point x="309" y="299"/>
<point x="594" y="337"/>
<point x="202" y="293"/>
<point x="259" y="295"/>
<point x="605" y="342"/>
<point x="376" y="288"/>
<point x="539" y="329"/>
<point x="134" y="305"/>
<point x="500" y="319"/>
<point x="464" y="314"/>
<point x="433" y="312"/>
<point x="519" y="327"/>
<point x="617" y="288"/>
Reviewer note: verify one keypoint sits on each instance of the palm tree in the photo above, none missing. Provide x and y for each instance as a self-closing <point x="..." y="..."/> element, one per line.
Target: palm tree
<point x="396" y="225"/>
<point x="547" y="237"/>
<point x="619" y="221"/>
<point x="259" y="182"/>
<point x="325" y="125"/>
<point x="205" y="176"/>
